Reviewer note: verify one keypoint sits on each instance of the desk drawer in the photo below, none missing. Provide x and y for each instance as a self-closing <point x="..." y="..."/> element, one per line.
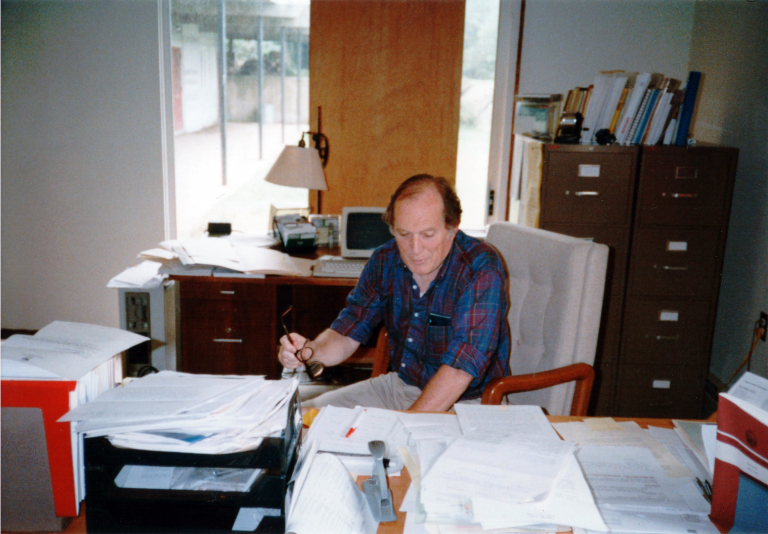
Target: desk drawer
<point x="665" y="392"/>
<point x="686" y="188"/>
<point x="666" y="332"/>
<point x="587" y="188"/>
<point x="253" y="291"/>
<point x="674" y="262"/>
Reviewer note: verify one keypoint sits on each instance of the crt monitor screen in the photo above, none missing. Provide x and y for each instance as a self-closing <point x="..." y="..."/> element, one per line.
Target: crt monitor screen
<point x="363" y="230"/>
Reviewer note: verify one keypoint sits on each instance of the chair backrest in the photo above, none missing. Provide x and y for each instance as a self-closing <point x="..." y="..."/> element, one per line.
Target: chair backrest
<point x="556" y="285"/>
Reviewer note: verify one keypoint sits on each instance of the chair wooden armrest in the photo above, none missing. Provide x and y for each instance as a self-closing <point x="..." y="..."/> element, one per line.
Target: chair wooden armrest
<point x="582" y="373"/>
<point x="381" y="354"/>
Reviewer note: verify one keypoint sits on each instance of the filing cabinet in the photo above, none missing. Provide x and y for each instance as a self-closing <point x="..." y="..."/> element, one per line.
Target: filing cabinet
<point x="663" y="211"/>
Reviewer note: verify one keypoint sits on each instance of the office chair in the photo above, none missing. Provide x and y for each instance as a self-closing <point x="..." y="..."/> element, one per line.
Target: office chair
<point x="556" y="285"/>
<point x="582" y="373"/>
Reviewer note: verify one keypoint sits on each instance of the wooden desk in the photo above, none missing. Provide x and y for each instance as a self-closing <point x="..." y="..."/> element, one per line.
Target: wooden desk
<point x="232" y="325"/>
<point x="399" y="485"/>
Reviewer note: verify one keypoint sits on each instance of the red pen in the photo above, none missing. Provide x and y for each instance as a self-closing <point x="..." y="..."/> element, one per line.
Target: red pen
<point x="354" y="424"/>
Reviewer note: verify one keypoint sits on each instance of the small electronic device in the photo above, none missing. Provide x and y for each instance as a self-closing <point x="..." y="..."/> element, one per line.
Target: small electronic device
<point x="362" y="231"/>
<point x="295" y="232"/>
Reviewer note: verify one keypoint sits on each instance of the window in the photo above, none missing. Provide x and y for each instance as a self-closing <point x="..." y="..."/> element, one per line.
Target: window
<point x="232" y="117"/>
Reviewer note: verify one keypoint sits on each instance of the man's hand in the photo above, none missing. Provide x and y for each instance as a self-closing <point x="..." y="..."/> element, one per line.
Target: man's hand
<point x="443" y="390"/>
<point x="329" y="348"/>
<point x="288" y="350"/>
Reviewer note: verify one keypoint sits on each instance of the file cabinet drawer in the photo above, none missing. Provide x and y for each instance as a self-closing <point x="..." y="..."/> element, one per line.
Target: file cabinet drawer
<point x="666" y="332"/>
<point x="616" y="237"/>
<point x="674" y="262"/>
<point x="588" y="188"/>
<point x="688" y="188"/>
<point x="227" y="290"/>
<point x="664" y="392"/>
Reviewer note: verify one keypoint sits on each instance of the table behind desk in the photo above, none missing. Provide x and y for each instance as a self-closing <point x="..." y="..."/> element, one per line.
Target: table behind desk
<point x="231" y="325"/>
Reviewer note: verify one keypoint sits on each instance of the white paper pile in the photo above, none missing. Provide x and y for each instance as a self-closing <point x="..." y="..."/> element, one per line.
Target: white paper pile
<point x="238" y="255"/>
<point x="345" y="432"/>
<point x="179" y="412"/>
<point x="639" y="484"/>
<point x="509" y="470"/>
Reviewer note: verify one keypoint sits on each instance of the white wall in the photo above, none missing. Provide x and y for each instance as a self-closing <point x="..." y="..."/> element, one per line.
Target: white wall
<point x="730" y="46"/>
<point x="567" y="42"/>
<point x="82" y="183"/>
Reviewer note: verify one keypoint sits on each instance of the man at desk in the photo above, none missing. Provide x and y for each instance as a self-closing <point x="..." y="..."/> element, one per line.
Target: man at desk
<point x="443" y="300"/>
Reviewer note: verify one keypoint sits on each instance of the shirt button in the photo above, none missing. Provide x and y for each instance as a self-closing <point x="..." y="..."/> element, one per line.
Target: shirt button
<point x="415" y="286"/>
<point x="402" y="365"/>
<point x="410" y="340"/>
<point x="416" y="314"/>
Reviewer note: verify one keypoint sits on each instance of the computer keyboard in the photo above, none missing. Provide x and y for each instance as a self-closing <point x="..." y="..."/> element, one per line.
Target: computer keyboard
<point x="339" y="267"/>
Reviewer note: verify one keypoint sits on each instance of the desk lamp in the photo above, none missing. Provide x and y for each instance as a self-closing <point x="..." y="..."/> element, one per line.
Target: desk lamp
<point x="302" y="166"/>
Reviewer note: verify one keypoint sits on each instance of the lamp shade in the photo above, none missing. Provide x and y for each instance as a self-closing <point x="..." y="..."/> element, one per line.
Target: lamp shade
<point x="298" y="167"/>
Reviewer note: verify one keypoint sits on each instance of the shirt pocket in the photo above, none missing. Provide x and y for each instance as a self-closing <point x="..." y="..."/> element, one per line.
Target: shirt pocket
<point x="438" y="339"/>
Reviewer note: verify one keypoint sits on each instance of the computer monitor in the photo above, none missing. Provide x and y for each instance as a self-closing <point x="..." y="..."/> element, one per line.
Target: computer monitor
<point x="362" y="230"/>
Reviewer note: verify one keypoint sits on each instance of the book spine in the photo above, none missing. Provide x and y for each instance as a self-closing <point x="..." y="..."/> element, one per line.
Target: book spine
<point x="686" y="113"/>
<point x="646" y="117"/>
<point x="638" y="94"/>
<point x="637" y="118"/>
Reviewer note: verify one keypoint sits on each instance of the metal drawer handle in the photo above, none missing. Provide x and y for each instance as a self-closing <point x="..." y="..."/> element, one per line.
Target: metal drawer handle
<point x="215" y="340"/>
<point x="584" y="193"/>
<point x="668" y="338"/>
<point x="227" y="292"/>
<point x="680" y="195"/>
<point x="672" y="268"/>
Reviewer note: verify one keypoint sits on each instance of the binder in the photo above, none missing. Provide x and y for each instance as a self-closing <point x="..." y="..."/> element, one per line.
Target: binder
<point x="52" y="397"/>
<point x="740" y="482"/>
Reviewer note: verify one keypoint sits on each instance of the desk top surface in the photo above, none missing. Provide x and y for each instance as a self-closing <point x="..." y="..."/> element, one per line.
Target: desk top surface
<point x="399" y="485"/>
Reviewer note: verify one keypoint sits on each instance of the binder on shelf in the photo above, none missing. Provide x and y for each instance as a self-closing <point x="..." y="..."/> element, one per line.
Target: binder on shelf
<point x="686" y="112"/>
<point x="740" y="482"/>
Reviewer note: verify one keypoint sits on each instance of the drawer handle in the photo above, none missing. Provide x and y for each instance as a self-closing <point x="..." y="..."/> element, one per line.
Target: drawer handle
<point x="668" y="338"/>
<point x="584" y="193"/>
<point x="227" y="292"/>
<point x="220" y="340"/>
<point x="681" y="195"/>
<point x="672" y="268"/>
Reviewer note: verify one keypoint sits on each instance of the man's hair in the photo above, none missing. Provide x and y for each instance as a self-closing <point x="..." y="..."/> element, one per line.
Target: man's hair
<point x="419" y="183"/>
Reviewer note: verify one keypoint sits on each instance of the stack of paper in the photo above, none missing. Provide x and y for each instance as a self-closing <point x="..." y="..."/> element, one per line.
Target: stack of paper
<point x="639" y="484"/>
<point x="242" y="255"/>
<point x="179" y="412"/>
<point x="509" y="470"/>
<point x="346" y="432"/>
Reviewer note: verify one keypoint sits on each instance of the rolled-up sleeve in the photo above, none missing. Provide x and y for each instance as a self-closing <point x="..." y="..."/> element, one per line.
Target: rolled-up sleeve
<point x="365" y="305"/>
<point x="477" y="323"/>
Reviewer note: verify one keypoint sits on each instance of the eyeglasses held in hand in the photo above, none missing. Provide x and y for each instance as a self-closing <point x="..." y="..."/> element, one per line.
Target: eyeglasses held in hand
<point x="313" y="368"/>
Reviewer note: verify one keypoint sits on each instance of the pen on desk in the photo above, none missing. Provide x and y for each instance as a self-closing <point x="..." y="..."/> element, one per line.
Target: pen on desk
<point x="354" y="424"/>
<point x="703" y="489"/>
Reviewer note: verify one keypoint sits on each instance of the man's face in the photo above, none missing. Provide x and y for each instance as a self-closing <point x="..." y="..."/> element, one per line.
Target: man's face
<point x="421" y="234"/>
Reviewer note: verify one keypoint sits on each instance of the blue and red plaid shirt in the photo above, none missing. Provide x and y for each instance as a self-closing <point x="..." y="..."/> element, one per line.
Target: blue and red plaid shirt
<point x="460" y="321"/>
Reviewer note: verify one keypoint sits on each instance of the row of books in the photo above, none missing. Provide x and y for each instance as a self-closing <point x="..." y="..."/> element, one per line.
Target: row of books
<point x="637" y="108"/>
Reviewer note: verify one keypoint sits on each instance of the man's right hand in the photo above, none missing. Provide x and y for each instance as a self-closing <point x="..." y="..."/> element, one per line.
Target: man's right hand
<point x="288" y="350"/>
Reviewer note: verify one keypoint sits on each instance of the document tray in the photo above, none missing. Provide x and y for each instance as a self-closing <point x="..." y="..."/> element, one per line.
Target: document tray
<point x="111" y="509"/>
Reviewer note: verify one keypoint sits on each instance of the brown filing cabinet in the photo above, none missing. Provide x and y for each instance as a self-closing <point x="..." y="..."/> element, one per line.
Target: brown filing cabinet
<point x="588" y="192"/>
<point x="678" y="239"/>
<point x="663" y="211"/>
